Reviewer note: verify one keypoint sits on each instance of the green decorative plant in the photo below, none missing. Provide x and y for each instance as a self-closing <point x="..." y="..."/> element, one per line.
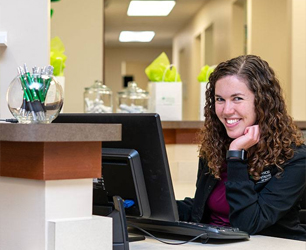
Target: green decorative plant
<point x="205" y="73"/>
<point x="57" y="57"/>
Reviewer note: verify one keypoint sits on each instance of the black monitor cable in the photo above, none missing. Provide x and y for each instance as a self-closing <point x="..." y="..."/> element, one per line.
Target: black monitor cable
<point x="9" y="120"/>
<point x="167" y="242"/>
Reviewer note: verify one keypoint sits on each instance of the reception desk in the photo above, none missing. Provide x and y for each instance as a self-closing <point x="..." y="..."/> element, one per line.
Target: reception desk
<point x="46" y="185"/>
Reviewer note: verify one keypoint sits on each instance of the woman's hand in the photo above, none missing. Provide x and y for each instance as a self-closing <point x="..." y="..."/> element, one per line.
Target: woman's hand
<point x="250" y="138"/>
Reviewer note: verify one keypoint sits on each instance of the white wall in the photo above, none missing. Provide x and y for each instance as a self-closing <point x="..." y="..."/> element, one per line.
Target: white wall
<point x="217" y="13"/>
<point x="27" y="26"/>
<point x="79" y="24"/>
<point x="298" y="59"/>
<point x="270" y="37"/>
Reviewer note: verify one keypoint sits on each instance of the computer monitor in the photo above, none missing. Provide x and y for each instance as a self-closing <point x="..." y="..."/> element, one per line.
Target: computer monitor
<point x="141" y="132"/>
<point x="122" y="176"/>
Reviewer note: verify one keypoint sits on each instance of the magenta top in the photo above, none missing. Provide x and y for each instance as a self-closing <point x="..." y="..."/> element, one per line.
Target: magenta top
<point x="218" y="205"/>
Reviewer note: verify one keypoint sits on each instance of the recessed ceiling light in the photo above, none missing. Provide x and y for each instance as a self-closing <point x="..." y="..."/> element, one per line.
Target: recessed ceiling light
<point x="150" y="8"/>
<point x="136" y="36"/>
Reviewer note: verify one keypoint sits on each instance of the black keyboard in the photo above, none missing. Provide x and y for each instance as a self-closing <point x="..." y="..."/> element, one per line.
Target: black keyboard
<point x="189" y="229"/>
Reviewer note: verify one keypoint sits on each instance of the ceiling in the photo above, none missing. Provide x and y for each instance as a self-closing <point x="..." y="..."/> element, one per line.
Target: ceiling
<point x="116" y="20"/>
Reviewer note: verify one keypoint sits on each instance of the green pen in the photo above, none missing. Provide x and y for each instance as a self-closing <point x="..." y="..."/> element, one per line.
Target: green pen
<point x="24" y="107"/>
<point x="25" y="86"/>
<point x="30" y="81"/>
<point x="36" y="101"/>
<point x="27" y="93"/>
<point x="39" y="86"/>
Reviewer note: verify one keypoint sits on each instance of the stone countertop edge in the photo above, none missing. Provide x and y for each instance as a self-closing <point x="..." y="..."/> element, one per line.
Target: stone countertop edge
<point x="60" y="132"/>
<point x="182" y="124"/>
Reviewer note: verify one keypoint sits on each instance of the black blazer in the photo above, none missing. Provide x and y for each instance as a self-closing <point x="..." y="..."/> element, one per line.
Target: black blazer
<point x="269" y="206"/>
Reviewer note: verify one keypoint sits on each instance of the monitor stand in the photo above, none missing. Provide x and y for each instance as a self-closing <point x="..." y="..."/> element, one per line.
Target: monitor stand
<point x="120" y="234"/>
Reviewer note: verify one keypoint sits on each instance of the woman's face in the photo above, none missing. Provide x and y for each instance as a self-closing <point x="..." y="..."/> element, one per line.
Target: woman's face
<point x="234" y="105"/>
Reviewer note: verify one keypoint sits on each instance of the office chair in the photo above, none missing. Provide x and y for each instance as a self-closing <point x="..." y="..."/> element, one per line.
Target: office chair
<point x="303" y="210"/>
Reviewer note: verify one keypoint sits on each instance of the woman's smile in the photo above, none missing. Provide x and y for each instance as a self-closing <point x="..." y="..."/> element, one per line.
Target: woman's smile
<point x="232" y="121"/>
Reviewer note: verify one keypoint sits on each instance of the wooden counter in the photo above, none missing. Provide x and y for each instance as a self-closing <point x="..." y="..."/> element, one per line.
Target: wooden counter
<point x="181" y="132"/>
<point x="54" y="151"/>
<point x="185" y="132"/>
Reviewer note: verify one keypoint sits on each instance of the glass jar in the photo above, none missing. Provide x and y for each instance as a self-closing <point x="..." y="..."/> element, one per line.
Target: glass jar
<point x="98" y="98"/>
<point x="132" y="99"/>
<point x="34" y="99"/>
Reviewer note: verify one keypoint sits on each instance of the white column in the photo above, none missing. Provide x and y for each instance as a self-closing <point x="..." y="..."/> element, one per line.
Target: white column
<point x="50" y="215"/>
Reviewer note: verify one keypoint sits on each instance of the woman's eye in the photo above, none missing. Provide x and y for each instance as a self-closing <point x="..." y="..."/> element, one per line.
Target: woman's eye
<point x="219" y="99"/>
<point x="237" y="98"/>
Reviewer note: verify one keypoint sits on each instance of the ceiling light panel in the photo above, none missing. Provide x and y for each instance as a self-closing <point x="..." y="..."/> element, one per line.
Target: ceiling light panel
<point x="136" y="36"/>
<point x="150" y="8"/>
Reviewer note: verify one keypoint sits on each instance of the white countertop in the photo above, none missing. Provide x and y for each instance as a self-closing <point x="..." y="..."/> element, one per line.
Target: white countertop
<point x="255" y="242"/>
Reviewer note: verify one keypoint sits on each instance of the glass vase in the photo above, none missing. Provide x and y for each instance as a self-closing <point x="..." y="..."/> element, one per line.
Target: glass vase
<point x="34" y="100"/>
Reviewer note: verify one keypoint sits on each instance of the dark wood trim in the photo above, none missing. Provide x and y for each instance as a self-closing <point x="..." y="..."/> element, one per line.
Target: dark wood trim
<point x="50" y="160"/>
<point x="301" y="124"/>
<point x="185" y="132"/>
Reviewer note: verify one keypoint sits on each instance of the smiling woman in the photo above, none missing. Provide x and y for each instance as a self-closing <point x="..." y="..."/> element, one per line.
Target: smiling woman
<point x="252" y="157"/>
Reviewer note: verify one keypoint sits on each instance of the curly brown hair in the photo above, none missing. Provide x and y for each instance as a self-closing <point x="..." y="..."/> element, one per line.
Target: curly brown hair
<point x="277" y="130"/>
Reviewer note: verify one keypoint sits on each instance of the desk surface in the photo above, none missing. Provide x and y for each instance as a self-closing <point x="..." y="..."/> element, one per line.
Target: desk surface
<point x="255" y="242"/>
